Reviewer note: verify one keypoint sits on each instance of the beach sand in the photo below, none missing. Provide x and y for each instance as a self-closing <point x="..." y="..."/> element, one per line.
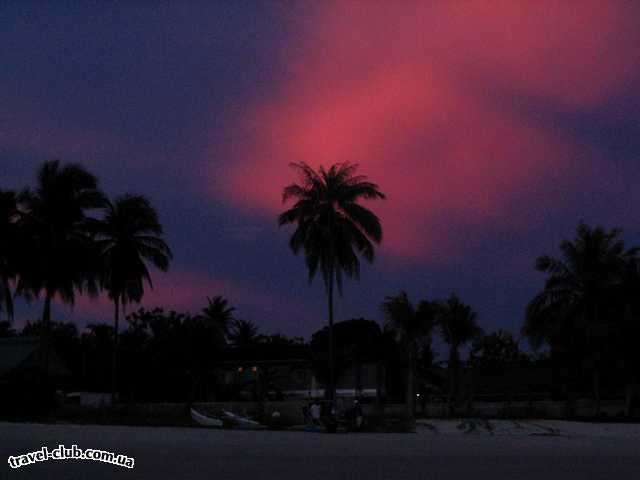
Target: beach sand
<point x="547" y="450"/>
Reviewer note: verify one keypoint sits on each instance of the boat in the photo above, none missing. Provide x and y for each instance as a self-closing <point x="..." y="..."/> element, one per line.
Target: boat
<point x="241" y="422"/>
<point x="204" y="420"/>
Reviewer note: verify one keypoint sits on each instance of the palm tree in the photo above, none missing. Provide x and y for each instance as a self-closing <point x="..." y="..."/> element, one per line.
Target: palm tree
<point x="129" y="239"/>
<point x="412" y="326"/>
<point x="7" y="330"/>
<point x="332" y="227"/>
<point x="8" y="248"/>
<point x="59" y="255"/>
<point x="243" y="333"/>
<point x="218" y="317"/>
<point x="458" y="327"/>
<point x="570" y="312"/>
<point x="629" y="330"/>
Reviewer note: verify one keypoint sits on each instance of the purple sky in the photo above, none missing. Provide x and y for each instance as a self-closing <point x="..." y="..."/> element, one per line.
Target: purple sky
<point x="494" y="127"/>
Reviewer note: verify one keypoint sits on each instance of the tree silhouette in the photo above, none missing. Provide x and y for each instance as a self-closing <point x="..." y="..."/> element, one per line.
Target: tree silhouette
<point x="8" y="249"/>
<point x="218" y="316"/>
<point x="332" y="228"/>
<point x="570" y="312"/>
<point x="243" y="333"/>
<point x="458" y="327"/>
<point x="628" y="331"/>
<point x="411" y="326"/>
<point x="496" y="351"/>
<point x="128" y="239"/>
<point x="7" y="330"/>
<point x="355" y="341"/>
<point x="59" y="255"/>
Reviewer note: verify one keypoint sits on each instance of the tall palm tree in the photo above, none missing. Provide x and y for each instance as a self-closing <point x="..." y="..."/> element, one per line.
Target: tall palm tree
<point x="8" y="248"/>
<point x="570" y="312"/>
<point x="332" y="227"/>
<point x="129" y="238"/>
<point x="412" y="326"/>
<point x="458" y="327"/>
<point x="218" y="317"/>
<point x="59" y="255"/>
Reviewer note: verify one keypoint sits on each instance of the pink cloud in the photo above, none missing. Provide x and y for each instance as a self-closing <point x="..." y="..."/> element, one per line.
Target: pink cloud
<point x="187" y="291"/>
<point x="406" y="91"/>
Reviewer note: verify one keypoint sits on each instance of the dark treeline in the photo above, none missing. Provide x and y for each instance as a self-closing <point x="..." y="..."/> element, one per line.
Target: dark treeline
<point x="585" y="323"/>
<point x="65" y="238"/>
<point x="177" y="357"/>
<point x="164" y="356"/>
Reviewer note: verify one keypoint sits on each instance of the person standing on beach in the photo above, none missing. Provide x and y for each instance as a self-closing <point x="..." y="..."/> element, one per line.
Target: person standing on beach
<point x="314" y="411"/>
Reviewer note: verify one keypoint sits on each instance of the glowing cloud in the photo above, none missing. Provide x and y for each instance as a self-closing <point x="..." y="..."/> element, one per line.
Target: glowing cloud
<point x="420" y="94"/>
<point x="187" y="291"/>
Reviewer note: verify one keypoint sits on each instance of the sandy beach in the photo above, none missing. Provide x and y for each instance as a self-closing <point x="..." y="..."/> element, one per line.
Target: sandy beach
<point x="438" y="450"/>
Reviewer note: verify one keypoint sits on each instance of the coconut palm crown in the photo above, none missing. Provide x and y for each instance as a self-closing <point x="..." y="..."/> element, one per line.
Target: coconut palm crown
<point x="129" y="239"/>
<point x="332" y="227"/>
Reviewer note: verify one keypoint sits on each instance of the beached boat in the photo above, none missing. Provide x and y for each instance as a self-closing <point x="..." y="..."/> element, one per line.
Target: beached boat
<point x="204" y="420"/>
<point x="241" y="422"/>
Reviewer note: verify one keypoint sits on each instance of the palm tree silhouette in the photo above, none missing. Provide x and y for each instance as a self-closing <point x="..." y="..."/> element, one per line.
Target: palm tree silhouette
<point x="8" y="248"/>
<point x="59" y="256"/>
<point x="128" y="238"/>
<point x="570" y="312"/>
<point x="628" y="297"/>
<point x="243" y="333"/>
<point x="411" y="326"/>
<point x="332" y="228"/>
<point x="218" y="317"/>
<point x="458" y="327"/>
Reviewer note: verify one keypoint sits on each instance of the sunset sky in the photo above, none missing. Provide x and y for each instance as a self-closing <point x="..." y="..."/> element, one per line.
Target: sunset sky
<point x="493" y="128"/>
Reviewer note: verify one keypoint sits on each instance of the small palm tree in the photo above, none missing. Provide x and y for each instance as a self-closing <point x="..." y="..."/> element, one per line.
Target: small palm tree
<point x="59" y="251"/>
<point x="412" y="326"/>
<point x="8" y="248"/>
<point x="332" y="228"/>
<point x="218" y="317"/>
<point x="458" y="327"/>
<point x="243" y="333"/>
<point x="570" y="312"/>
<point x="129" y="239"/>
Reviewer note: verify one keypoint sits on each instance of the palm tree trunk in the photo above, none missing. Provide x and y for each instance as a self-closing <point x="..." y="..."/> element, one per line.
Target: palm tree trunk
<point x="411" y="398"/>
<point x="114" y="365"/>
<point x="332" y="380"/>
<point x="379" y="387"/>
<point x="575" y="371"/>
<point x="594" y="345"/>
<point x="358" y="383"/>
<point x="44" y="339"/>
<point x="453" y="377"/>
<point x="6" y="298"/>
<point x="596" y="389"/>
<point x="630" y="392"/>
